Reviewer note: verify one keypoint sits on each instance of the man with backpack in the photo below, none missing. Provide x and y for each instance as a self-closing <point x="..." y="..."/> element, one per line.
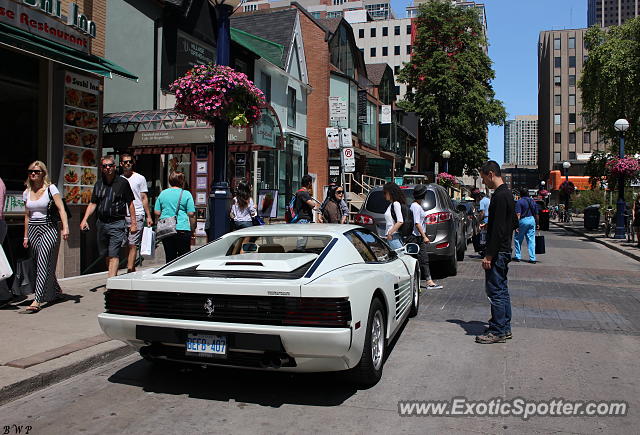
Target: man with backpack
<point x="527" y="212"/>
<point x="302" y="205"/>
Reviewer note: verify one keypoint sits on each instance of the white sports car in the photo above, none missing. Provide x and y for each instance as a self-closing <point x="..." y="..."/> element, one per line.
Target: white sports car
<point x="304" y="298"/>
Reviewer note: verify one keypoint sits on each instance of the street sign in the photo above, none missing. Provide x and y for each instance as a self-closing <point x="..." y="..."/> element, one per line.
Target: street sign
<point x="338" y="110"/>
<point x="385" y="115"/>
<point x="345" y="137"/>
<point x="333" y="138"/>
<point x="348" y="159"/>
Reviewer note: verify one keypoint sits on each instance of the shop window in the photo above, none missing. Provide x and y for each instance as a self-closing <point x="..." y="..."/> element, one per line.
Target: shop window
<point x="291" y="108"/>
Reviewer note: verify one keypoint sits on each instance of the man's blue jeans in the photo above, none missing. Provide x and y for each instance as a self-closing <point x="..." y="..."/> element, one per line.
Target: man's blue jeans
<point x="498" y="293"/>
<point x="526" y="228"/>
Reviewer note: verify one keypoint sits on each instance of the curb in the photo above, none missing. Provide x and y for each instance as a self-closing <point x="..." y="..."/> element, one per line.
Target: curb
<point x="44" y="376"/>
<point x="602" y="242"/>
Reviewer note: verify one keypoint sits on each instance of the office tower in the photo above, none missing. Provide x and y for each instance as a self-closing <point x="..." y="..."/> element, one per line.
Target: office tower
<point x="521" y="140"/>
<point x="605" y="13"/>
<point x="562" y="134"/>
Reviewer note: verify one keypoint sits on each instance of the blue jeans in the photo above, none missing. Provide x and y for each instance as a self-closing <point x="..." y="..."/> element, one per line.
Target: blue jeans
<point x="304" y="221"/>
<point x="526" y="228"/>
<point x="395" y="242"/>
<point x="498" y="293"/>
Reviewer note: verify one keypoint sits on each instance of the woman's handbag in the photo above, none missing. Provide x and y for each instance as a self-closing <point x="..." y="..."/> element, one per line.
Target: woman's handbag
<point x="53" y="214"/>
<point x="257" y="220"/>
<point x="24" y="282"/>
<point x="167" y="227"/>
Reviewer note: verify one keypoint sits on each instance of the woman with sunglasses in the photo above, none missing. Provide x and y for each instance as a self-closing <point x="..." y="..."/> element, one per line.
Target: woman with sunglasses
<point x="334" y="209"/>
<point x="41" y="233"/>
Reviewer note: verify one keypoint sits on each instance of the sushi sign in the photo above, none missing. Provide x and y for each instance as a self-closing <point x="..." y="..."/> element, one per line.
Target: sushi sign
<point x="82" y="83"/>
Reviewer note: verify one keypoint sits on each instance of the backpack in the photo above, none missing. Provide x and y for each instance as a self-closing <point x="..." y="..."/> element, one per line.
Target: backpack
<point x="291" y="214"/>
<point x="407" y="216"/>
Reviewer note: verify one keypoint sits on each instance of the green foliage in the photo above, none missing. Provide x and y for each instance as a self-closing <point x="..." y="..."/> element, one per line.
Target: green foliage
<point x="596" y="167"/>
<point x="449" y="84"/>
<point x="585" y="198"/>
<point x="609" y="82"/>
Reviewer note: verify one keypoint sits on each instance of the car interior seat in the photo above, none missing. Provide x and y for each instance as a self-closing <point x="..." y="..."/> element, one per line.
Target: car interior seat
<point x="276" y="249"/>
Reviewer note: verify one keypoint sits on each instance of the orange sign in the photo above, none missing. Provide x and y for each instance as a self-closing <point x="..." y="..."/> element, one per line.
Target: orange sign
<point x="556" y="179"/>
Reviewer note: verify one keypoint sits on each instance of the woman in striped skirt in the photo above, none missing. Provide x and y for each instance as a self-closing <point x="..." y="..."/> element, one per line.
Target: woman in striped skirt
<point x="41" y="233"/>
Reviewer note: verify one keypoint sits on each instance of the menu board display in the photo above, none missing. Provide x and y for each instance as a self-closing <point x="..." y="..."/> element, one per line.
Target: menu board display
<point x="81" y="122"/>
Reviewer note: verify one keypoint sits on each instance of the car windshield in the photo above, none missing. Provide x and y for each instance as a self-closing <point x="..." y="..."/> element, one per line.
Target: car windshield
<point x="279" y="244"/>
<point x="377" y="204"/>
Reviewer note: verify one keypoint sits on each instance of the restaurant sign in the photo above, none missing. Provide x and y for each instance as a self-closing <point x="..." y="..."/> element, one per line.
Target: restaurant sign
<point x="185" y="136"/>
<point x="44" y="18"/>
<point x="264" y="132"/>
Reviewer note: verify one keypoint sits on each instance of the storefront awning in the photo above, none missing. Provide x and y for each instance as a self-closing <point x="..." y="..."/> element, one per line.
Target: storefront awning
<point x="266" y="49"/>
<point x="20" y="39"/>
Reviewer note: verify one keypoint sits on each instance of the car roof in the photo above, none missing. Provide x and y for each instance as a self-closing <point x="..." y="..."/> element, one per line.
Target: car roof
<point x="333" y="230"/>
<point x="431" y="186"/>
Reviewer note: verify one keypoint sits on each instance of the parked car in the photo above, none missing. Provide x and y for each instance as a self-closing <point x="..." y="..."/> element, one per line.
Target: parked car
<point x="471" y="224"/>
<point x="444" y="225"/>
<point x="298" y="298"/>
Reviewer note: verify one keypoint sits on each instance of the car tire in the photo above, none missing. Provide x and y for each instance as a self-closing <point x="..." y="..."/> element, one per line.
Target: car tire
<point x="460" y="252"/>
<point x="415" y="294"/>
<point x="369" y="370"/>
<point x="452" y="265"/>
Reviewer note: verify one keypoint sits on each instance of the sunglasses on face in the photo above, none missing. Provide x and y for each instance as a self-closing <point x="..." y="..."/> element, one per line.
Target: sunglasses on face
<point x="339" y="192"/>
<point x="127" y="162"/>
<point x="34" y="171"/>
<point x="108" y="165"/>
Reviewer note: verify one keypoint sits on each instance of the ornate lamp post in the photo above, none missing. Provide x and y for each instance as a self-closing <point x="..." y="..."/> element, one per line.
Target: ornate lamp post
<point x="220" y="192"/>
<point x="445" y="155"/>
<point x="621" y="125"/>
<point x="566" y="166"/>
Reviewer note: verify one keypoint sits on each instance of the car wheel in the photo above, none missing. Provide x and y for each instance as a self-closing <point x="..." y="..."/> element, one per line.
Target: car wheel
<point x="369" y="370"/>
<point x="415" y="295"/>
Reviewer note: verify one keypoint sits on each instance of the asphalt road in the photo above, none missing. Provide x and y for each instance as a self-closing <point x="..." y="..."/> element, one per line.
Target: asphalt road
<point x="576" y="326"/>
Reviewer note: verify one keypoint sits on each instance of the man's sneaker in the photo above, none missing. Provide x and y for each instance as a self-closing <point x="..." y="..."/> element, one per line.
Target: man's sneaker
<point x="508" y="335"/>
<point x="434" y="287"/>
<point x="515" y="260"/>
<point x="490" y="338"/>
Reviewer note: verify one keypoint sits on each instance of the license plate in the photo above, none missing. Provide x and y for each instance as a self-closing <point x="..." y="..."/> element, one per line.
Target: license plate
<point x="207" y="344"/>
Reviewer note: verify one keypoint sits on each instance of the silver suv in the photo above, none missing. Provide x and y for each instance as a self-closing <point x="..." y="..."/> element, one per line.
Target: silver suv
<point x="444" y="226"/>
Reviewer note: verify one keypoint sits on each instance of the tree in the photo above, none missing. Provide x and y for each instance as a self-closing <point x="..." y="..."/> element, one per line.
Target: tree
<point x="609" y="83"/>
<point x="449" y="84"/>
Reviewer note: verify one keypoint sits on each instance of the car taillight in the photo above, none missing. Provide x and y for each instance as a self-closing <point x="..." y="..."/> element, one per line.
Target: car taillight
<point x="442" y="245"/>
<point x="364" y="219"/>
<point x="436" y="218"/>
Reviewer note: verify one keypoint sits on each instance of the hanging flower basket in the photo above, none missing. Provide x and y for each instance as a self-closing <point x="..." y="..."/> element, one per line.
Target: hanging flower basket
<point x="628" y="167"/>
<point x="214" y="92"/>
<point x="446" y="180"/>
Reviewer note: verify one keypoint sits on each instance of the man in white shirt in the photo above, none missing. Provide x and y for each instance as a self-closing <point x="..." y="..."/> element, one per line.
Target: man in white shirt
<point x="419" y="236"/>
<point x="141" y="203"/>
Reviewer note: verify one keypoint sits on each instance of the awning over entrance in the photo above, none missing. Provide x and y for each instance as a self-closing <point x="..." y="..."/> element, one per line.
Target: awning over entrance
<point x="271" y="51"/>
<point x="18" y="38"/>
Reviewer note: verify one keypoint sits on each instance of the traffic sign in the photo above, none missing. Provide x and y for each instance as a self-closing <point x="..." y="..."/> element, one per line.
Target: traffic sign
<point x="345" y="137"/>
<point x="348" y="157"/>
<point x="338" y="109"/>
<point x="333" y="138"/>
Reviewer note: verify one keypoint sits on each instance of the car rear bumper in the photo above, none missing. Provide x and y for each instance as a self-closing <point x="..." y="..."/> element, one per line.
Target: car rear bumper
<point x="308" y="348"/>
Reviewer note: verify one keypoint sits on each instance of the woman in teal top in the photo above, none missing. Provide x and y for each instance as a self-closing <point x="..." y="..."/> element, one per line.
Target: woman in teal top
<point x="180" y="243"/>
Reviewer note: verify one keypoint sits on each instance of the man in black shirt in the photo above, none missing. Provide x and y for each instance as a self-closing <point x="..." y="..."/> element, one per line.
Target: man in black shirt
<point x="111" y="197"/>
<point x="305" y="204"/>
<point x="498" y="254"/>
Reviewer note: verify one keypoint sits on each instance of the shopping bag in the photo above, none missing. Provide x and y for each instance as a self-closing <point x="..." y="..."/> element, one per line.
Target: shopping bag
<point x="540" y="248"/>
<point x="480" y="241"/>
<point x="24" y="282"/>
<point x="5" y="267"/>
<point x="148" y="245"/>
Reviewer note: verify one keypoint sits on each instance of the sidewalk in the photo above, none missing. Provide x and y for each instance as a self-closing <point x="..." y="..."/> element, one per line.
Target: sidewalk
<point x="620" y="245"/>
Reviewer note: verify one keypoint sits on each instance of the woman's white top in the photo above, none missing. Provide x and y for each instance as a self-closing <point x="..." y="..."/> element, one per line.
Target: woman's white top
<point x="38" y="208"/>
<point x="243" y="214"/>
<point x="388" y="219"/>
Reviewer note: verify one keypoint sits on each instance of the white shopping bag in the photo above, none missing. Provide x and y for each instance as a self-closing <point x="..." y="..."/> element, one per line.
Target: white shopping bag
<point x="5" y="267"/>
<point x="148" y="246"/>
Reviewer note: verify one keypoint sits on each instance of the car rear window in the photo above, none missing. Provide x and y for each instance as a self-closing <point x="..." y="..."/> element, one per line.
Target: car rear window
<point x="377" y="204"/>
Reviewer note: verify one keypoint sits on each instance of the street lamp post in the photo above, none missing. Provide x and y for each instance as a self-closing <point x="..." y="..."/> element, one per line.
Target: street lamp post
<point x="566" y="166"/>
<point x="445" y="155"/>
<point x="621" y="125"/>
<point x="220" y="191"/>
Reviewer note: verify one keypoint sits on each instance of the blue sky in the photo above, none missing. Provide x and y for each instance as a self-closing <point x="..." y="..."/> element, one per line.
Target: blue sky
<point x="514" y="27"/>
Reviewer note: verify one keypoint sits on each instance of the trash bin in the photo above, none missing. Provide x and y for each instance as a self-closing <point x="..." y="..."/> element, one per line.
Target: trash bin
<point x="592" y="217"/>
<point x="543" y="216"/>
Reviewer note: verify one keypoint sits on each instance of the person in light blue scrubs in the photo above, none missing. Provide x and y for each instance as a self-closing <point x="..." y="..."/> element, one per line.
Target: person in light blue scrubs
<point x="527" y="211"/>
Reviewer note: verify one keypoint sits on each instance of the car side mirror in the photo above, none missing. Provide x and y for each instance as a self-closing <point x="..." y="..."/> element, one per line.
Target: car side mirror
<point x="249" y="247"/>
<point x="412" y="248"/>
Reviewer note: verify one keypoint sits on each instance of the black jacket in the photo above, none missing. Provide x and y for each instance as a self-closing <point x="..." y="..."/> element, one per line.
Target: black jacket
<point x="502" y="217"/>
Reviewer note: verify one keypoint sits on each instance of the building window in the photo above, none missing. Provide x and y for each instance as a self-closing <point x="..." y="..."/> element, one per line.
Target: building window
<point x="250" y="8"/>
<point x="334" y="14"/>
<point x="291" y="108"/>
<point x="572" y="118"/>
<point x="337" y="2"/>
<point x="584" y="59"/>
<point x="556" y="80"/>
<point x="385" y="51"/>
<point x="396" y="69"/>
<point x="316" y="15"/>
<point x="572" y="42"/>
<point x="556" y="157"/>
<point x="385" y="31"/>
<point x="557" y="100"/>
<point x="586" y="137"/>
<point x="557" y="138"/>
<point x="557" y="62"/>
<point x="360" y="33"/>
<point x="556" y="44"/>
<point x="396" y="50"/>
<point x="572" y="79"/>
<point x="408" y="49"/>
<point x="265" y="86"/>
<point x="572" y="61"/>
<point x="572" y="99"/>
<point x="408" y="29"/>
<point x="396" y="30"/>
<point x="557" y="119"/>
<point x="572" y="137"/>
<point x="397" y="90"/>
<point x="372" y="52"/>
<point x="572" y="155"/>
<point x="373" y="32"/>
